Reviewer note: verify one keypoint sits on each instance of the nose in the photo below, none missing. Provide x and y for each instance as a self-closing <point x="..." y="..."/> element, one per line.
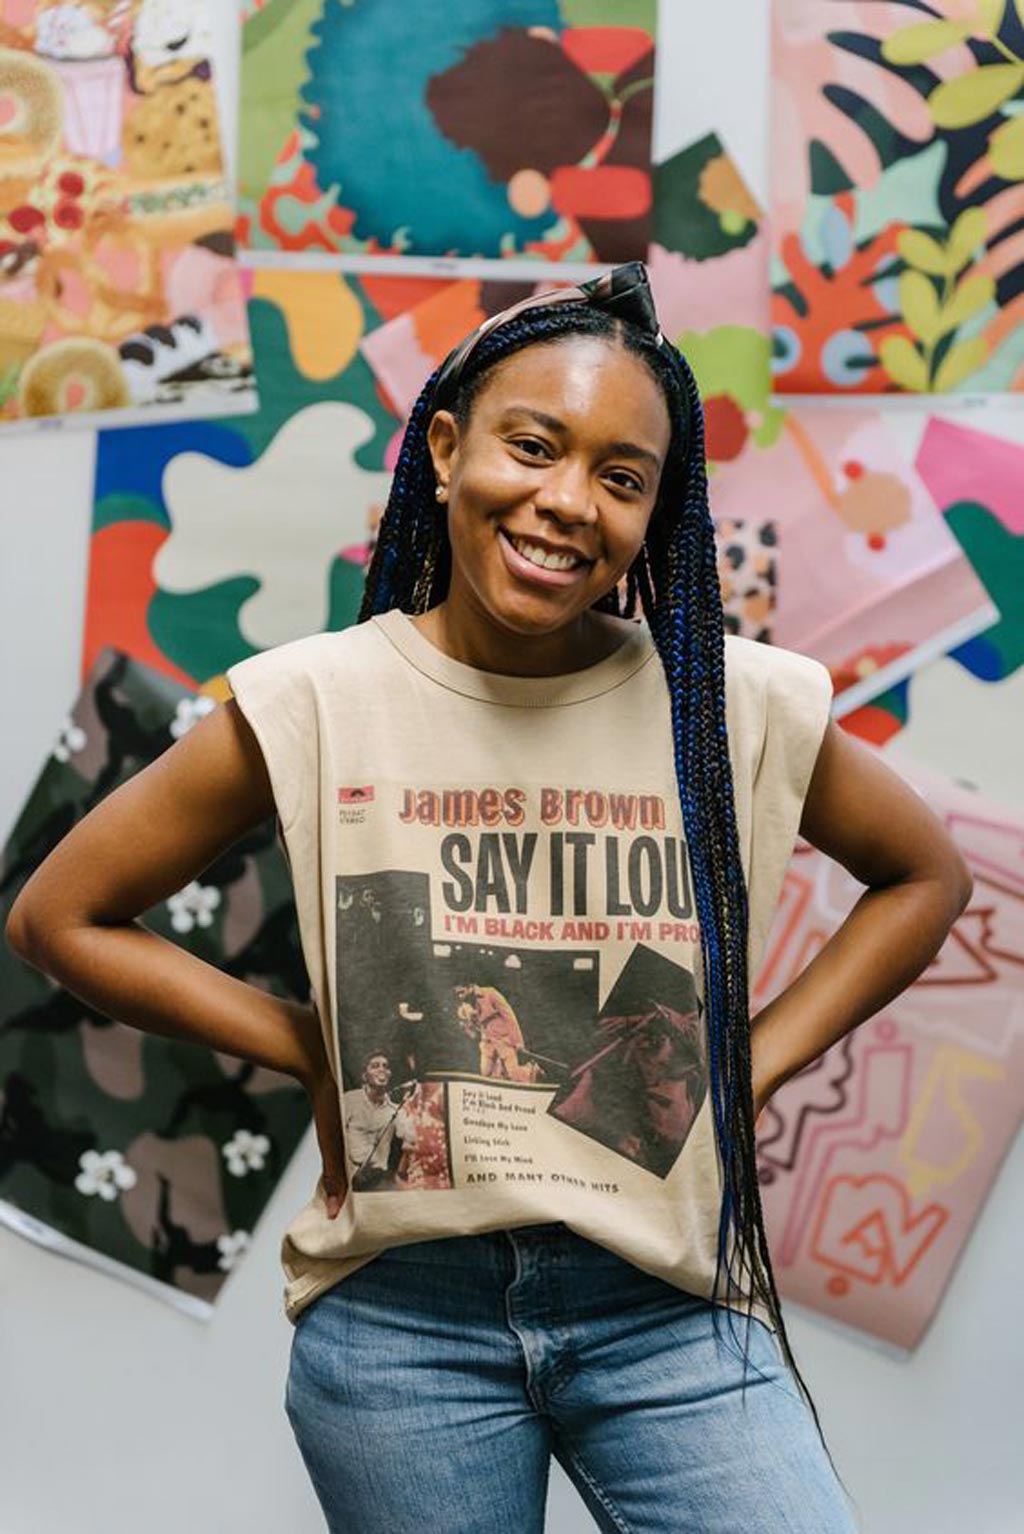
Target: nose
<point x="565" y="492"/>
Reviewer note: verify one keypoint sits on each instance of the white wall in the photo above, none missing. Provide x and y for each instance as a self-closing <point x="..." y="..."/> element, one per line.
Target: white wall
<point x="118" y="1414"/>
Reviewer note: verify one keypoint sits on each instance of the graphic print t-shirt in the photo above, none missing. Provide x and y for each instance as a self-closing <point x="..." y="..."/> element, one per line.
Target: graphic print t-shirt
<point x="497" y="914"/>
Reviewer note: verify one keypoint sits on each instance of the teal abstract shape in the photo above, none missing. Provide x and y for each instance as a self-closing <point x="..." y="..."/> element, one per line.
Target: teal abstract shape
<point x="376" y="140"/>
<point x="285" y="389"/>
<point x="127" y="508"/>
<point x="997" y="556"/>
<point x="199" y="630"/>
<point x="346" y="593"/>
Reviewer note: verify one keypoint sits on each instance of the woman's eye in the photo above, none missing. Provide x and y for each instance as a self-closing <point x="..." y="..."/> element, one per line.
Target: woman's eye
<point x="530" y="446"/>
<point x="624" y="481"/>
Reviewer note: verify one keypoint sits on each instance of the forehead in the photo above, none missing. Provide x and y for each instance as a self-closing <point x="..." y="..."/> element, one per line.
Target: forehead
<point x="582" y="380"/>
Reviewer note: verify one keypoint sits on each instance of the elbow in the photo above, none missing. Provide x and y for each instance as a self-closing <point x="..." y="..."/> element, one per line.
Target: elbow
<point x="963" y="884"/>
<point x="26" y="934"/>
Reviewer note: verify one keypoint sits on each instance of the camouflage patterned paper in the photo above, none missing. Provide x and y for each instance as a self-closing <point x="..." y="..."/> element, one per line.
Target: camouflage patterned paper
<point x="150" y="1158"/>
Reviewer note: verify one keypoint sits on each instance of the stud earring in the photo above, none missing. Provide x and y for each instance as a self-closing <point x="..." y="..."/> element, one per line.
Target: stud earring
<point x="441" y="492"/>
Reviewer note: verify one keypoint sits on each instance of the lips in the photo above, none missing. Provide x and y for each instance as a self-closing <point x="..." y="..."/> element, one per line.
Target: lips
<point x="535" y="560"/>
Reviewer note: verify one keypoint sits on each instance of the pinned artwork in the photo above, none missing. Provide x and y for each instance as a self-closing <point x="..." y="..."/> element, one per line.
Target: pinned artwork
<point x="962" y="712"/>
<point x="871" y="580"/>
<point x="214" y="540"/>
<point x="875" y="1161"/>
<point x="148" y="1157"/>
<point x="897" y="171"/>
<point x="119" y="294"/>
<point x="517" y="129"/>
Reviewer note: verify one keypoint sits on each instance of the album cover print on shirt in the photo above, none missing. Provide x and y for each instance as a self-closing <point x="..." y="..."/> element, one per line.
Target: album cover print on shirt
<point x="435" y="1026"/>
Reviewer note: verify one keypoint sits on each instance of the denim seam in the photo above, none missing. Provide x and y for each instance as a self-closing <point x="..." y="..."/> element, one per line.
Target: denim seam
<point x="598" y="1491"/>
<point x="531" y="1389"/>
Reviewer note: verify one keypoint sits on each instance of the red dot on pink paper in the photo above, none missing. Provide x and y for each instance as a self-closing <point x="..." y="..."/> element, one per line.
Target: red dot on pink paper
<point x="838" y="1285"/>
<point x="876" y="540"/>
<point x="852" y="469"/>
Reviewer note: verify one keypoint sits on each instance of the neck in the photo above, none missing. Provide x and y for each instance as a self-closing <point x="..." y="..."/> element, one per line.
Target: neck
<point x="462" y="631"/>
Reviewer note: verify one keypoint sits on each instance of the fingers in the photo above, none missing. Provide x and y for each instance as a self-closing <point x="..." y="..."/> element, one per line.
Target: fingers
<point x="327" y="1119"/>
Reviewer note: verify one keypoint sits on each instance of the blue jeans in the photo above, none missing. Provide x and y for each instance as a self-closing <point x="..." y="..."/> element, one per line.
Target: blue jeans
<point x="429" y="1389"/>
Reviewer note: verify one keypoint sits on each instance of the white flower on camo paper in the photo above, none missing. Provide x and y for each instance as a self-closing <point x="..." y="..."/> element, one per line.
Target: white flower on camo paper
<point x="189" y="712"/>
<point x="104" y="1172"/>
<point x="193" y="906"/>
<point x="231" y="1248"/>
<point x="72" y="738"/>
<point x="245" y="1152"/>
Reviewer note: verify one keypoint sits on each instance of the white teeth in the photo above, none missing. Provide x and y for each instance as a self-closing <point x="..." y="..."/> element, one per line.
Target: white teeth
<point x="543" y="557"/>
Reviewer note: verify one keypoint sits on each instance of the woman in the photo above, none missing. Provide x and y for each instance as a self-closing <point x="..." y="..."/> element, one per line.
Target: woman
<point x="498" y="780"/>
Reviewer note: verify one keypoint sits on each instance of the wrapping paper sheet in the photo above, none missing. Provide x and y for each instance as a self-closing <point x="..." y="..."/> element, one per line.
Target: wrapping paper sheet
<point x="872" y="582"/>
<point x="875" y="1161"/>
<point x="119" y="294"/>
<point x="897" y="170"/>
<point x="494" y="128"/>
<point x="150" y="1158"/>
<point x="962" y="712"/>
<point x="212" y="541"/>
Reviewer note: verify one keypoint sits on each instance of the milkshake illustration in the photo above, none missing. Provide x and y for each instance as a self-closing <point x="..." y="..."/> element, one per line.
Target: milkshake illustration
<point x="82" y="54"/>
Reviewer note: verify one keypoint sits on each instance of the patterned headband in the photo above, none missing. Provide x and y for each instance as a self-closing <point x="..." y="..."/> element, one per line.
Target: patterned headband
<point x="623" y="292"/>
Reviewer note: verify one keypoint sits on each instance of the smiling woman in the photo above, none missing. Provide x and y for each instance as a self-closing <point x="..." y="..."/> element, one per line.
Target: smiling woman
<point x="538" y="808"/>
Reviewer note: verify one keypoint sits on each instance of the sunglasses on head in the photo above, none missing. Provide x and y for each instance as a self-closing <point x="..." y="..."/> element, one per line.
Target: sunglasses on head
<point x="623" y="292"/>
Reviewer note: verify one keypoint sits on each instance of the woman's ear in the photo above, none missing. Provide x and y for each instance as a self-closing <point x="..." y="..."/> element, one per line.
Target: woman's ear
<point x="443" y="442"/>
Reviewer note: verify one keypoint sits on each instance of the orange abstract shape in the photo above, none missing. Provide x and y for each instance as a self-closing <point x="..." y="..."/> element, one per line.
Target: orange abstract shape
<point x="601" y="191"/>
<point x="871" y="723"/>
<point x="121" y="585"/>
<point x="391" y="296"/>
<point x="865" y="1228"/>
<point x="842" y="300"/>
<point x="606" y="50"/>
<point x="325" y="319"/>
<point x="441" y="324"/>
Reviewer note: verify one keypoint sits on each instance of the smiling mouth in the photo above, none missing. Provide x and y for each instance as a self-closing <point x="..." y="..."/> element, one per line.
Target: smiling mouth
<point x="544" y="559"/>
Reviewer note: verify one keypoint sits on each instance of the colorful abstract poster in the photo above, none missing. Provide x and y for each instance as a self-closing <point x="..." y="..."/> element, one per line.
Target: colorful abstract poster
<point x="871" y="580"/>
<point x="897" y="187"/>
<point x="119" y="294"/>
<point x="875" y="1161"/>
<point x="145" y="1156"/>
<point x="215" y="540"/>
<point x="962" y="713"/>
<point x="510" y="129"/>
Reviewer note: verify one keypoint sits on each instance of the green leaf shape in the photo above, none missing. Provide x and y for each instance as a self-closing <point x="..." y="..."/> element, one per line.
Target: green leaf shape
<point x="921" y="251"/>
<point x="960" y="362"/>
<point x="904" y="363"/>
<point x="973" y="97"/>
<point x="988" y="18"/>
<point x="919" y="305"/>
<point x="968" y="232"/>
<point x="1006" y="149"/>
<point x="972" y="295"/>
<point x="922" y="41"/>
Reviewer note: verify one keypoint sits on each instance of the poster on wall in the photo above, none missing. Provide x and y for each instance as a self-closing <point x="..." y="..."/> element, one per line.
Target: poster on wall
<point x="148" y="1157"/>
<point x="120" y="298"/>
<point x="875" y="1161"/>
<point x="897" y="179"/>
<point x="961" y="712"/>
<point x="213" y="540"/>
<point x="504" y="129"/>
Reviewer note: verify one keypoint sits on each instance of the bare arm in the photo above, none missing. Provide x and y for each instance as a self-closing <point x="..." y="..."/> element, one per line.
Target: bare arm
<point x="865" y="816"/>
<point x="76" y="916"/>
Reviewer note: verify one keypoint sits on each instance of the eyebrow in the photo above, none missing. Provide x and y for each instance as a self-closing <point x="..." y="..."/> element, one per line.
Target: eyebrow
<point x="617" y="449"/>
